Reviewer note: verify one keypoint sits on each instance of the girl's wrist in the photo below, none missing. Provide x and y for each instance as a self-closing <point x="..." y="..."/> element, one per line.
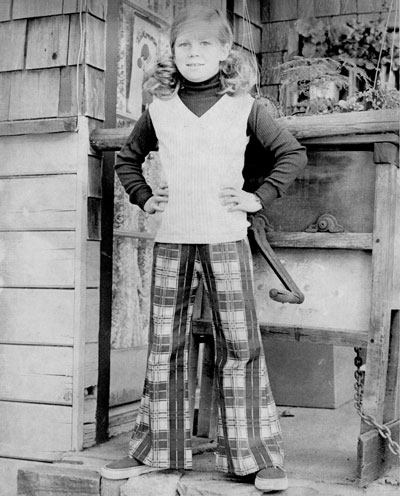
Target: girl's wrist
<point x="258" y="200"/>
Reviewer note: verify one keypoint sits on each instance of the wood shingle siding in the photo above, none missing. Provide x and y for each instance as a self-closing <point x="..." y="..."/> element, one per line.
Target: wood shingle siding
<point x="36" y="8"/>
<point x="12" y="45"/>
<point x="97" y="8"/>
<point x="5" y="10"/>
<point x="34" y="94"/>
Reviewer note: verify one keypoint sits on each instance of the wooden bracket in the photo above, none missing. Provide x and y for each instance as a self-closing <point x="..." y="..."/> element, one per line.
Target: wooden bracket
<point x="386" y="153"/>
<point x="374" y="456"/>
<point x="325" y="223"/>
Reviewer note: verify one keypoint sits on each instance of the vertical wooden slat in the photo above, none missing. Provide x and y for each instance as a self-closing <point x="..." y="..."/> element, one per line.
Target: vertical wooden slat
<point x="111" y="76"/>
<point x="68" y="104"/>
<point x="5" y="90"/>
<point x="282" y="10"/>
<point x="95" y="42"/>
<point x="275" y="36"/>
<point x="207" y="420"/>
<point x="5" y="10"/>
<point x="392" y="396"/>
<point x="365" y="6"/>
<point x="306" y="8"/>
<point x="12" y="45"/>
<point x="253" y="9"/>
<point x="76" y="32"/>
<point x="98" y="7"/>
<point x="327" y="8"/>
<point x="94" y="179"/>
<point x="382" y="277"/>
<point x="371" y="446"/>
<point x="80" y="276"/>
<point x="348" y="6"/>
<point x="94" y="93"/>
<point x="269" y="74"/>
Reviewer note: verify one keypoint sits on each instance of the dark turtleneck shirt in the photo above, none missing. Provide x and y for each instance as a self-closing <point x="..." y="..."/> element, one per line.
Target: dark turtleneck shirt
<point x="273" y="158"/>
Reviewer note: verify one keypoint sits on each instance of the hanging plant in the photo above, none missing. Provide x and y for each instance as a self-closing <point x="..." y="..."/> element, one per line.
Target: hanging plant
<point x="318" y="78"/>
<point x="366" y="44"/>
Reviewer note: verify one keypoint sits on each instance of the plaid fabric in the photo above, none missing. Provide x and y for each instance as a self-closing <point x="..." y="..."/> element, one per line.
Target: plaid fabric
<point x="249" y="434"/>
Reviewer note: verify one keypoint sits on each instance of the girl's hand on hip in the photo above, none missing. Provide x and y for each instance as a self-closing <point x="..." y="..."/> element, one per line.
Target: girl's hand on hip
<point x="237" y="199"/>
<point x="156" y="203"/>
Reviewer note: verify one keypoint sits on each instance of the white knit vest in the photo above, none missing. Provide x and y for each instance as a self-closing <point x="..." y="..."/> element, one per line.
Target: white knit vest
<point x="200" y="156"/>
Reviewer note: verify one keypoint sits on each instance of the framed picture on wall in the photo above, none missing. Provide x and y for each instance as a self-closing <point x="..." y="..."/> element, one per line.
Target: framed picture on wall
<point x="145" y="43"/>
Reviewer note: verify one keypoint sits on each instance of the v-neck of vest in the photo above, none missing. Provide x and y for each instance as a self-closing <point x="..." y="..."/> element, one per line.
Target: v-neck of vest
<point x="206" y="113"/>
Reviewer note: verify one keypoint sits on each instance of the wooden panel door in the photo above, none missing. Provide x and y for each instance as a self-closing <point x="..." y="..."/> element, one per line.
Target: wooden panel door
<point x="141" y="32"/>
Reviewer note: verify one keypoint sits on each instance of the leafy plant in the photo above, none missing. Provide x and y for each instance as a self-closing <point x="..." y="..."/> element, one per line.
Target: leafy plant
<point x="366" y="44"/>
<point x="318" y="71"/>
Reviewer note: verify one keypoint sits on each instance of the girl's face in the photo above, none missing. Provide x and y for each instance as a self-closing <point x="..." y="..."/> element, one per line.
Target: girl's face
<point x="197" y="54"/>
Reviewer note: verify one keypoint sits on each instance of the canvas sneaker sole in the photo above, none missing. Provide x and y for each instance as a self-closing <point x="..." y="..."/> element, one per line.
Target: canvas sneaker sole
<point x="126" y="472"/>
<point x="268" y="485"/>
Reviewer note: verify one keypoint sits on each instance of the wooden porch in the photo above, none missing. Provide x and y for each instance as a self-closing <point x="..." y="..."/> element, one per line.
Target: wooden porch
<point x="321" y="460"/>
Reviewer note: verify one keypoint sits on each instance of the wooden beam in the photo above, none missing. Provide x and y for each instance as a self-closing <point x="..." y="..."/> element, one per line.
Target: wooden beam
<point x="307" y="127"/>
<point x="305" y="334"/>
<point x="109" y="139"/>
<point x="353" y="139"/>
<point x="346" y="241"/>
<point x="372" y="121"/>
<point x="38" y="126"/>
<point x="386" y="153"/>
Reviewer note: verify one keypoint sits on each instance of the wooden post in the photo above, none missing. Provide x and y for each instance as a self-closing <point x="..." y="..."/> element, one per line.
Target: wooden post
<point x="370" y="464"/>
<point x="103" y="383"/>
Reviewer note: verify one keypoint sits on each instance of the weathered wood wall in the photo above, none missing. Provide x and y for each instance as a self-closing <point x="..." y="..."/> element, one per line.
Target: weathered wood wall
<point x="49" y="227"/>
<point x="247" y="24"/>
<point x="279" y="39"/>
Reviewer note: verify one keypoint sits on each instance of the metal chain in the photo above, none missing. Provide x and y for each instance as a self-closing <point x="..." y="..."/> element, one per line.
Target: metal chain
<point x="383" y="430"/>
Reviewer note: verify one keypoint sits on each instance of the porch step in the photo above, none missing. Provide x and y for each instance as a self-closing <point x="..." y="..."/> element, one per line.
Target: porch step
<point x="51" y="480"/>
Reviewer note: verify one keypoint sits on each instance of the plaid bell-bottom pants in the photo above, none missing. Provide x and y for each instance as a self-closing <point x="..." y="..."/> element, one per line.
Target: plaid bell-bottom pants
<point x="249" y="434"/>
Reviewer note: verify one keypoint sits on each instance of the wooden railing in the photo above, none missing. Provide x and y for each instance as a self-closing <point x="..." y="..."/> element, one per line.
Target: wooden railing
<point x="306" y="128"/>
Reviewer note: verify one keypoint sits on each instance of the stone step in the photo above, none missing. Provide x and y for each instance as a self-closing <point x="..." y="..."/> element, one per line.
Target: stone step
<point x="51" y="480"/>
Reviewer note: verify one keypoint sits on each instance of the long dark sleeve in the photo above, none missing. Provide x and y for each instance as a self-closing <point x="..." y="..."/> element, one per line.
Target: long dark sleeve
<point x="274" y="158"/>
<point x="130" y="159"/>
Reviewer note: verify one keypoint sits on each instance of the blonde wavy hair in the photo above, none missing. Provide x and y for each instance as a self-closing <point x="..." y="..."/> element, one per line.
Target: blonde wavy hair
<point x="238" y="72"/>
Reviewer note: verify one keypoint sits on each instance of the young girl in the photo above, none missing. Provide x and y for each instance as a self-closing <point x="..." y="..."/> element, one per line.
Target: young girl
<point x="202" y="118"/>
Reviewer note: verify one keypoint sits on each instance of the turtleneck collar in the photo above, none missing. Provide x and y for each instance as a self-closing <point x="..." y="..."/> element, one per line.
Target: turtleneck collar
<point x="212" y="84"/>
<point x="200" y="97"/>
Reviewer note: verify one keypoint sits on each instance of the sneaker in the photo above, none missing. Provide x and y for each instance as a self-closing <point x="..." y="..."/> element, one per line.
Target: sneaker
<point x="271" y="479"/>
<point x="125" y="468"/>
